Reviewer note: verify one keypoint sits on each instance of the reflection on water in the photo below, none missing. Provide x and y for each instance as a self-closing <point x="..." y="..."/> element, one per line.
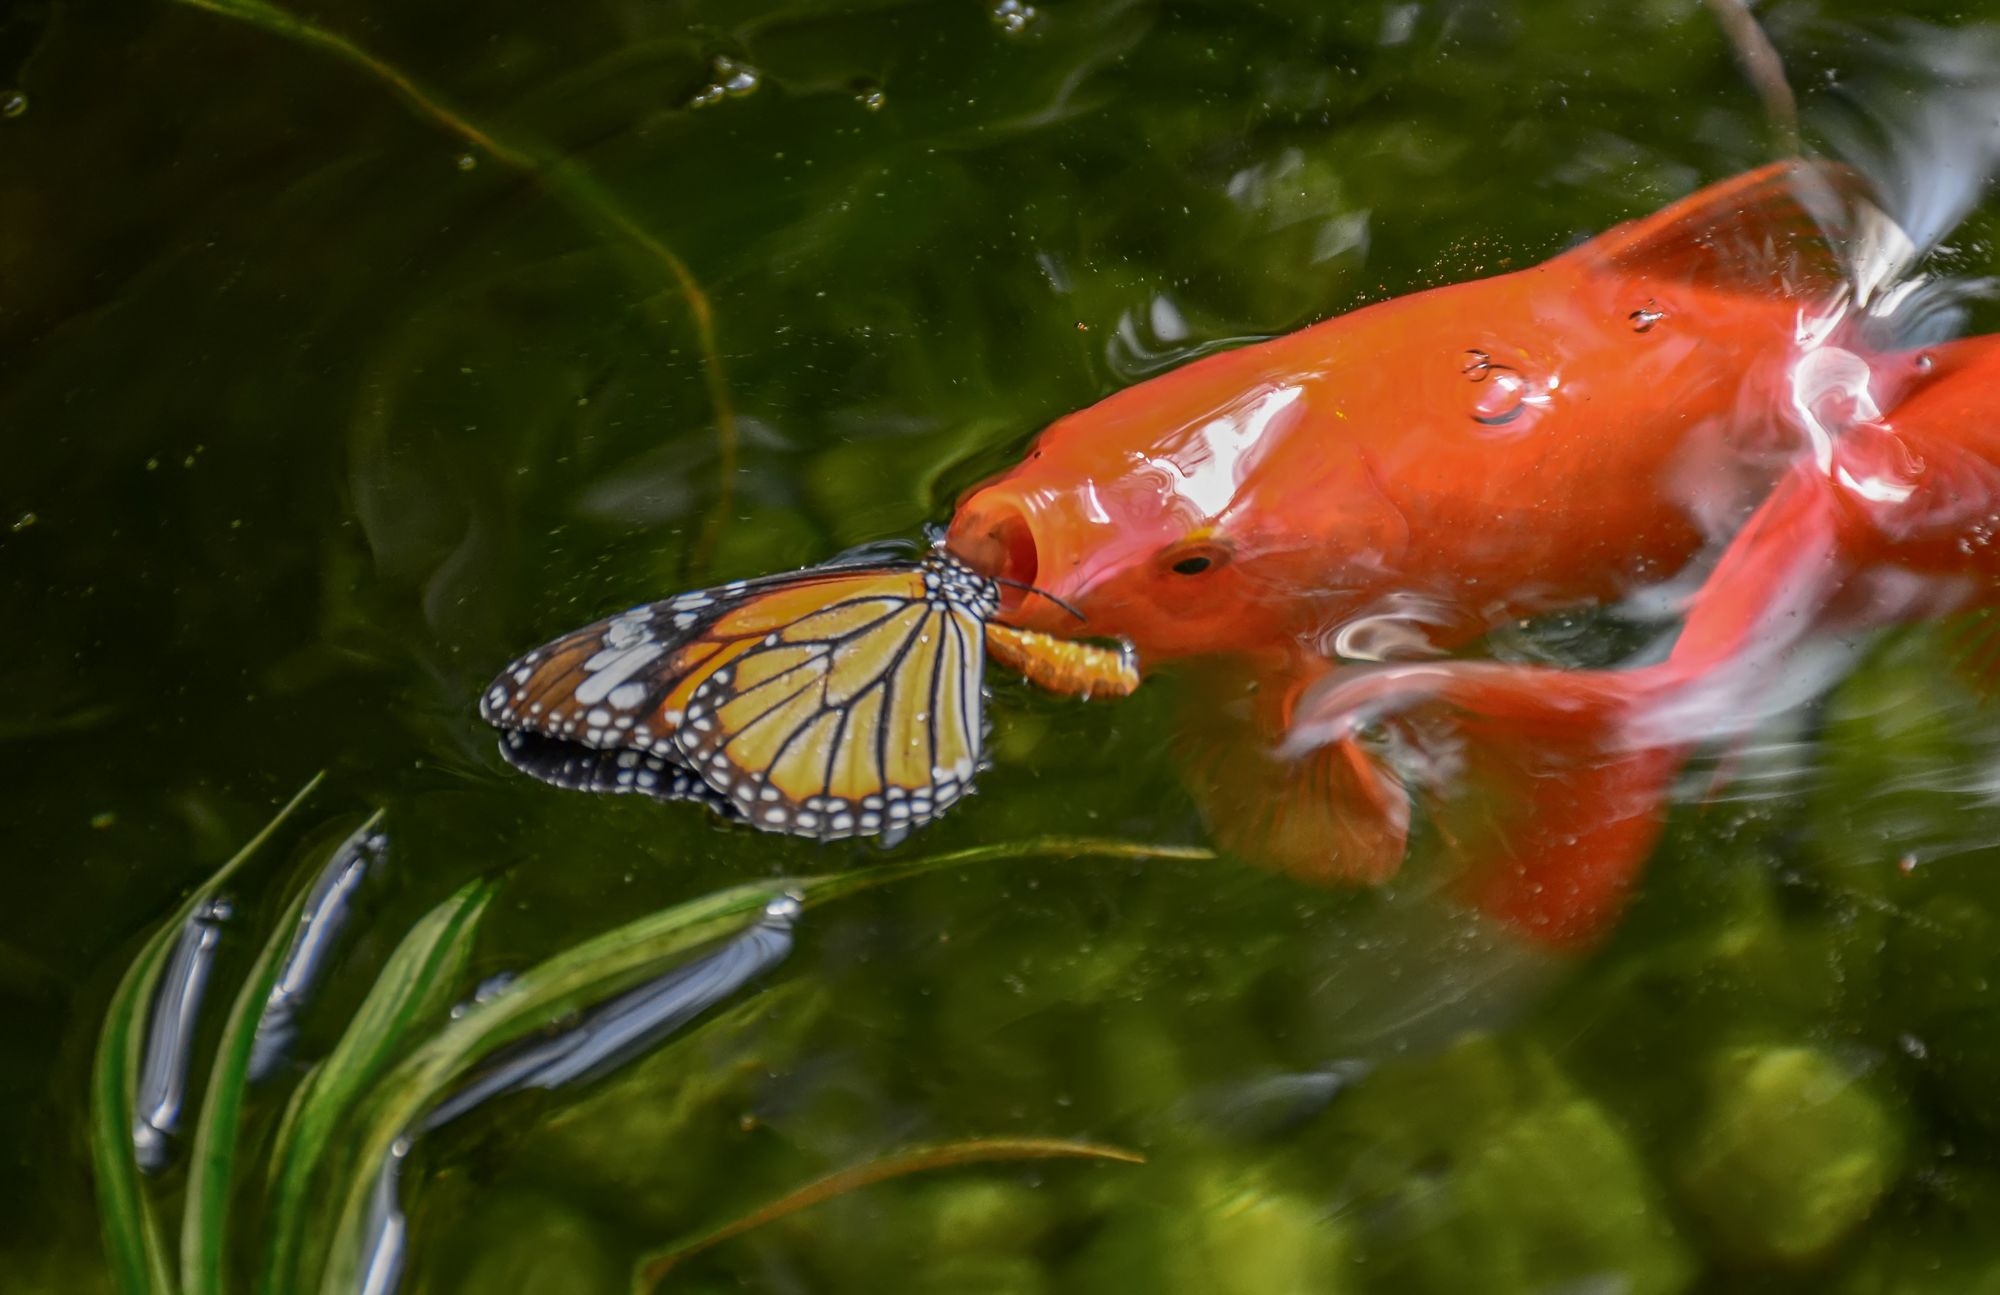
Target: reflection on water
<point x="322" y="410"/>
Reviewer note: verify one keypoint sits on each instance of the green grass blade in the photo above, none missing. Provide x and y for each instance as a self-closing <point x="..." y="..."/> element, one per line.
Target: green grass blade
<point x="132" y="1236"/>
<point x="416" y="986"/>
<point x="212" y="1154"/>
<point x="653" y="1267"/>
<point x="604" y="965"/>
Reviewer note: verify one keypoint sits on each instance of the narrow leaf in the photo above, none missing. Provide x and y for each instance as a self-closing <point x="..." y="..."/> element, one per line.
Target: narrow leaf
<point x="416" y="986"/>
<point x="132" y="1236"/>
<point x="596" y="968"/>
<point x="212" y="1158"/>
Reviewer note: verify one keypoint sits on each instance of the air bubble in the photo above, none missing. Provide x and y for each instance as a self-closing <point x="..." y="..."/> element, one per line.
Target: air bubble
<point x="731" y="80"/>
<point x="1014" y="16"/>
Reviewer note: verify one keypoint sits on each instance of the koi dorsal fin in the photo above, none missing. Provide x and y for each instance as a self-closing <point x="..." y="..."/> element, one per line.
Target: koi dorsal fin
<point x="1775" y="229"/>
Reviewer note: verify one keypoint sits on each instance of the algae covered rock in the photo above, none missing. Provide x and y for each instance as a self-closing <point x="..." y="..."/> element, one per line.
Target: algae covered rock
<point x="979" y="1233"/>
<point x="1790" y="1154"/>
<point x="1218" y="1228"/>
<point x="1484" y="1168"/>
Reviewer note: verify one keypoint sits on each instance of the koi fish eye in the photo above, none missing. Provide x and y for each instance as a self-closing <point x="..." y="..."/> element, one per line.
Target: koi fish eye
<point x="1193" y="557"/>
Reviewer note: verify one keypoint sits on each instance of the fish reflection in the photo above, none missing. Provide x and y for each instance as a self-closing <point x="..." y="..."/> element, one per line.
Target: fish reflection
<point x="163" y="1074"/>
<point x="321" y="919"/>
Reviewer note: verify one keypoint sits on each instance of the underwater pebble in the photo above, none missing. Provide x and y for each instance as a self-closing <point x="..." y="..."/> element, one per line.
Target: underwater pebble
<point x="1791" y="1154"/>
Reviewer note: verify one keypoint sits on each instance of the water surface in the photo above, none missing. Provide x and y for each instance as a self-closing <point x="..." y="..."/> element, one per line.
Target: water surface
<point x="317" y="412"/>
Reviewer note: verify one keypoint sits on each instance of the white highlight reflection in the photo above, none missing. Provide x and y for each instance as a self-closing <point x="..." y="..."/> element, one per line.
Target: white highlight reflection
<point x="1211" y="466"/>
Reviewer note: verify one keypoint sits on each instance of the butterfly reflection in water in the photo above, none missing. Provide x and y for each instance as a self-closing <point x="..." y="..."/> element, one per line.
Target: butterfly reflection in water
<point x="842" y="700"/>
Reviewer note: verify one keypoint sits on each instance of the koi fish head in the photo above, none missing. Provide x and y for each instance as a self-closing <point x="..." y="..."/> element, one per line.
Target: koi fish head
<point x="1141" y="516"/>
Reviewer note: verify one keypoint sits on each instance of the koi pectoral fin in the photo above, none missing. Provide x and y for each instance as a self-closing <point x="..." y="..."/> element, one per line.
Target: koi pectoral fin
<point x="1335" y="815"/>
<point x="1548" y="808"/>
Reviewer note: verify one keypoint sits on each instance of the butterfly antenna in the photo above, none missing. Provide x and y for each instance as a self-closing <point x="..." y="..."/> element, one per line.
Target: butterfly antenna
<point x="1016" y="584"/>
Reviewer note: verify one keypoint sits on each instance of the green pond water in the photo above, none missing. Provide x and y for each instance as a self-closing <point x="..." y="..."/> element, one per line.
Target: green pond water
<point x="340" y="362"/>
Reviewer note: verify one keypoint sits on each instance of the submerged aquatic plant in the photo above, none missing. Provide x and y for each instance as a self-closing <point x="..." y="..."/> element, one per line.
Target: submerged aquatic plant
<point x="410" y="1061"/>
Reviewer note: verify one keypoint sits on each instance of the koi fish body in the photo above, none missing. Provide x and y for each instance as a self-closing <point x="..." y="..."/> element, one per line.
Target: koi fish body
<point x="1395" y="482"/>
<point x="1893" y="521"/>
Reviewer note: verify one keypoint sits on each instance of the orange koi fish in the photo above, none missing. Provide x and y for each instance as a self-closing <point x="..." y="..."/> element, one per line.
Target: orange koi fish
<point x="1397" y="481"/>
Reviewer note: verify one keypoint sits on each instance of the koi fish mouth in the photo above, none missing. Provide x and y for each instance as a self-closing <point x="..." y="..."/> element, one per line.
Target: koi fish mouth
<point x="997" y="539"/>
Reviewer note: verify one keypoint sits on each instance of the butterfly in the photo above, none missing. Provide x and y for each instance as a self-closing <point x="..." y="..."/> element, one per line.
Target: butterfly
<point x="842" y="700"/>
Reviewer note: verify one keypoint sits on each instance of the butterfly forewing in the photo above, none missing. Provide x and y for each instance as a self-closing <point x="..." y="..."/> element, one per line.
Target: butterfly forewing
<point x="603" y="685"/>
<point x="625" y="681"/>
<point x="859" y="718"/>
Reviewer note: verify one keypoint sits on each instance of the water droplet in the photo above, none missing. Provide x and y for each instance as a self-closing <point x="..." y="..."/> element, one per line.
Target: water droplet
<point x="1014" y="16"/>
<point x="467" y="161"/>
<point x="27" y="520"/>
<point x="13" y="104"/>
<point x="869" y="95"/>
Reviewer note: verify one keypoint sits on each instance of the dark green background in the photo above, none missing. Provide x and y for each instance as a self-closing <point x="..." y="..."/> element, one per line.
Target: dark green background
<point x="314" y="415"/>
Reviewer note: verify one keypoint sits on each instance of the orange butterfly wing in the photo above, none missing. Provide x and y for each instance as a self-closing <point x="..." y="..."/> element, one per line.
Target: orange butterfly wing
<point x="838" y="701"/>
<point x="624" y="681"/>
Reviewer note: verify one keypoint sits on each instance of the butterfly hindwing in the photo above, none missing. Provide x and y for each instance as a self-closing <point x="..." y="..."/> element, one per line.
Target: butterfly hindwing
<point x="583" y="768"/>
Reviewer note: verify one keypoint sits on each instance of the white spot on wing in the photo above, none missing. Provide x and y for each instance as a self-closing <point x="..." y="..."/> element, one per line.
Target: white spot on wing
<point x="609" y="674"/>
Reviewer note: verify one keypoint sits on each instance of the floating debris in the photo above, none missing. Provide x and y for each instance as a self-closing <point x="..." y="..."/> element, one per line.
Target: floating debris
<point x="13" y="104"/>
